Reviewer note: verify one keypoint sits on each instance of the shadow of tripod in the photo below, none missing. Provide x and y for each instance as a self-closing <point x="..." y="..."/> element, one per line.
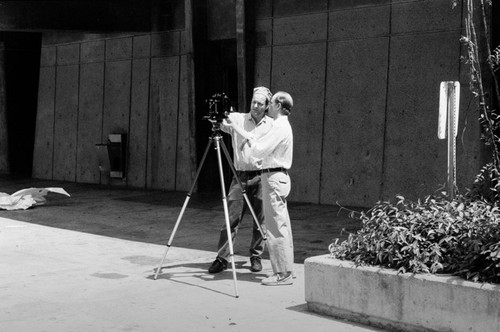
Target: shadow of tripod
<point x="216" y="139"/>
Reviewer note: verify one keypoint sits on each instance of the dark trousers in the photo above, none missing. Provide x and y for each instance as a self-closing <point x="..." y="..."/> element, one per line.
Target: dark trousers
<point x="237" y="207"/>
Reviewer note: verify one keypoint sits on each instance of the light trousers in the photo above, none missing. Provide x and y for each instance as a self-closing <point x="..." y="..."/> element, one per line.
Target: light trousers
<point x="275" y="189"/>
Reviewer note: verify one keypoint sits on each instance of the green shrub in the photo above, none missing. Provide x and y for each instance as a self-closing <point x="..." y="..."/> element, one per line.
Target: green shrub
<point x="486" y="185"/>
<point x="460" y="237"/>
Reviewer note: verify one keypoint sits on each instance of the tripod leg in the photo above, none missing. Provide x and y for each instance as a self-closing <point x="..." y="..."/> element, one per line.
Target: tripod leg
<point x="188" y="197"/>
<point x="226" y="213"/>
<point x="228" y="157"/>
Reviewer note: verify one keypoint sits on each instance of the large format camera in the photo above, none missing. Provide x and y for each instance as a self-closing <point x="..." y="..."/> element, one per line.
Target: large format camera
<point x="219" y="107"/>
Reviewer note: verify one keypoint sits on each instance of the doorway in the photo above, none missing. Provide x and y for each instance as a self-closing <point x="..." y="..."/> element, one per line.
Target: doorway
<point x="22" y="69"/>
<point x="219" y="75"/>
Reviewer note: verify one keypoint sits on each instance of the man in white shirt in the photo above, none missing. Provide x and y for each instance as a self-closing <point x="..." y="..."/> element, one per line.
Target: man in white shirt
<point x="257" y="123"/>
<point x="273" y="152"/>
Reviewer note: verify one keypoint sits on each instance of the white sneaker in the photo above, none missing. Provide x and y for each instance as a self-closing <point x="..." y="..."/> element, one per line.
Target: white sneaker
<point x="277" y="280"/>
<point x="270" y="274"/>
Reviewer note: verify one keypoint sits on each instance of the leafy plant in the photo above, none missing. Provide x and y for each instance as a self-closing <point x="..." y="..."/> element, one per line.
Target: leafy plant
<point x="460" y="237"/>
<point x="477" y="42"/>
<point x="486" y="185"/>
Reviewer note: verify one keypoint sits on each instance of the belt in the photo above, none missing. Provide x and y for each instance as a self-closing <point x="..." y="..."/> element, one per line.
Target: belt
<point x="275" y="169"/>
<point x="249" y="173"/>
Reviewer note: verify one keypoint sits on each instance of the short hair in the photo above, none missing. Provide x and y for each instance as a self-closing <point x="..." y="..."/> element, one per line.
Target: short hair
<point x="285" y="100"/>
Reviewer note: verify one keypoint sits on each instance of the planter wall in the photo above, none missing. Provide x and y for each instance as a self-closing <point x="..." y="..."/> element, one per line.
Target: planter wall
<point x="401" y="302"/>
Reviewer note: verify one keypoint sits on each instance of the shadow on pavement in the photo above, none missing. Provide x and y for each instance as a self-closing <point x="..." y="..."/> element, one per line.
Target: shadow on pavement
<point x="149" y="216"/>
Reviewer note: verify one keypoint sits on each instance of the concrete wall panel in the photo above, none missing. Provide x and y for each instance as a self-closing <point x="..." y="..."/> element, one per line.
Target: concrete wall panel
<point x="165" y="44"/>
<point x="68" y="54"/>
<point x="92" y="51"/>
<point x="44" y="134"/>
<point x="66" y="117"/>
<point x="300" y="29"/>
<point x="300" y="70"/>
<point x="263" y="66"/>
<point x="142" y="46"/>
<point x="415" y="160"/>
<point x="115" y="93"/>
<point x="361" y="23"/>
<point x="119" y="49"/>
<point x="116" y="98"/>
<point x="184" y="164"/>
<point x="424" y="15"/>
<point x="89" y="122"/>
<point x="349" y="4"/>
<point x="354" y="125"/>
<point x="221" y="19"/>
<point x="163" y="110"/>
<point x="298" y="7"/>
<point x="48" y="56"/>
<point x="138" y="138"/>
<point x="264" y="32"/>
<point x="263" y="8"/>
<point x="185" y="42"/>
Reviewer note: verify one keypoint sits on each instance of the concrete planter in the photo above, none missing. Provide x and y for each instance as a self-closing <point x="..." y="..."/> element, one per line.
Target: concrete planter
<point x="404" y="302"/>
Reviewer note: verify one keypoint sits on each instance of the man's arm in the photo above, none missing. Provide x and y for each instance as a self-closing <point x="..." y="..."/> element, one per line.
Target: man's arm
<point x="230" y="123"/>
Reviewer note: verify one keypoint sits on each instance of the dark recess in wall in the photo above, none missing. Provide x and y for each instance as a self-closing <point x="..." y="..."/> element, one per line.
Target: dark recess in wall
<point x="22" y="68"/>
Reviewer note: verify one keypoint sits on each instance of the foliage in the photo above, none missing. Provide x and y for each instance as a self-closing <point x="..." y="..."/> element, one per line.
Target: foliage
<point x="486" y="185"/>
<point x="461" y="237"/>
<point x="477" y="42"/>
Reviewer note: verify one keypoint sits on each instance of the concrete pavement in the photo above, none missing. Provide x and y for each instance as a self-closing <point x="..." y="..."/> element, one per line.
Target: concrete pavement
<point x="53" y="279"/>
<point x="86" y="263"/>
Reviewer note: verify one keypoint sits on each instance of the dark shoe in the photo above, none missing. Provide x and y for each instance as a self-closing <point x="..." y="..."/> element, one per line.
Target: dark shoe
<point x="219" y="265"/>
<point x="256" y="266"/>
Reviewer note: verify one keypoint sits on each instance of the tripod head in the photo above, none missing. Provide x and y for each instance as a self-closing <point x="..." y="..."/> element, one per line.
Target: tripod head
<point x="216" y="128"/>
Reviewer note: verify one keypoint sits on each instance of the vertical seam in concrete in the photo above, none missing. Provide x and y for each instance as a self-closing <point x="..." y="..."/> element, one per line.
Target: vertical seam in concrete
<point x="178" y="110"/>
<point x="127" y="141"/>
<point x="190" y="88"/>
<point x="272" y="47"/>
<point x="103" y="99"/>
<point x="324" y="102"/>
<point x="54" y="113"/>
<point x="148" y="111"/>
<point x="384" y="147"/>
<point x="77" y="108"/>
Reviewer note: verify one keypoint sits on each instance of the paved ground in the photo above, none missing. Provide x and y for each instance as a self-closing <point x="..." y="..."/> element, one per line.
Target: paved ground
<point x="149" y="216"/>
<point x="86" y="263"/>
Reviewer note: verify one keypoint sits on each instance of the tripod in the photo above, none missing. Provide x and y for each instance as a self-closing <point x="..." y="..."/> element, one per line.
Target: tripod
<point x="215" y="138"/>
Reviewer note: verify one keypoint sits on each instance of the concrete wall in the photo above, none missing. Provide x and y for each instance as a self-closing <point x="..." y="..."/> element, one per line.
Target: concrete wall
<point x="364" y="75"/>
<point x="132" y="84"/>
<point x="396" y="301"/>
<point x="365" y="79"/>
